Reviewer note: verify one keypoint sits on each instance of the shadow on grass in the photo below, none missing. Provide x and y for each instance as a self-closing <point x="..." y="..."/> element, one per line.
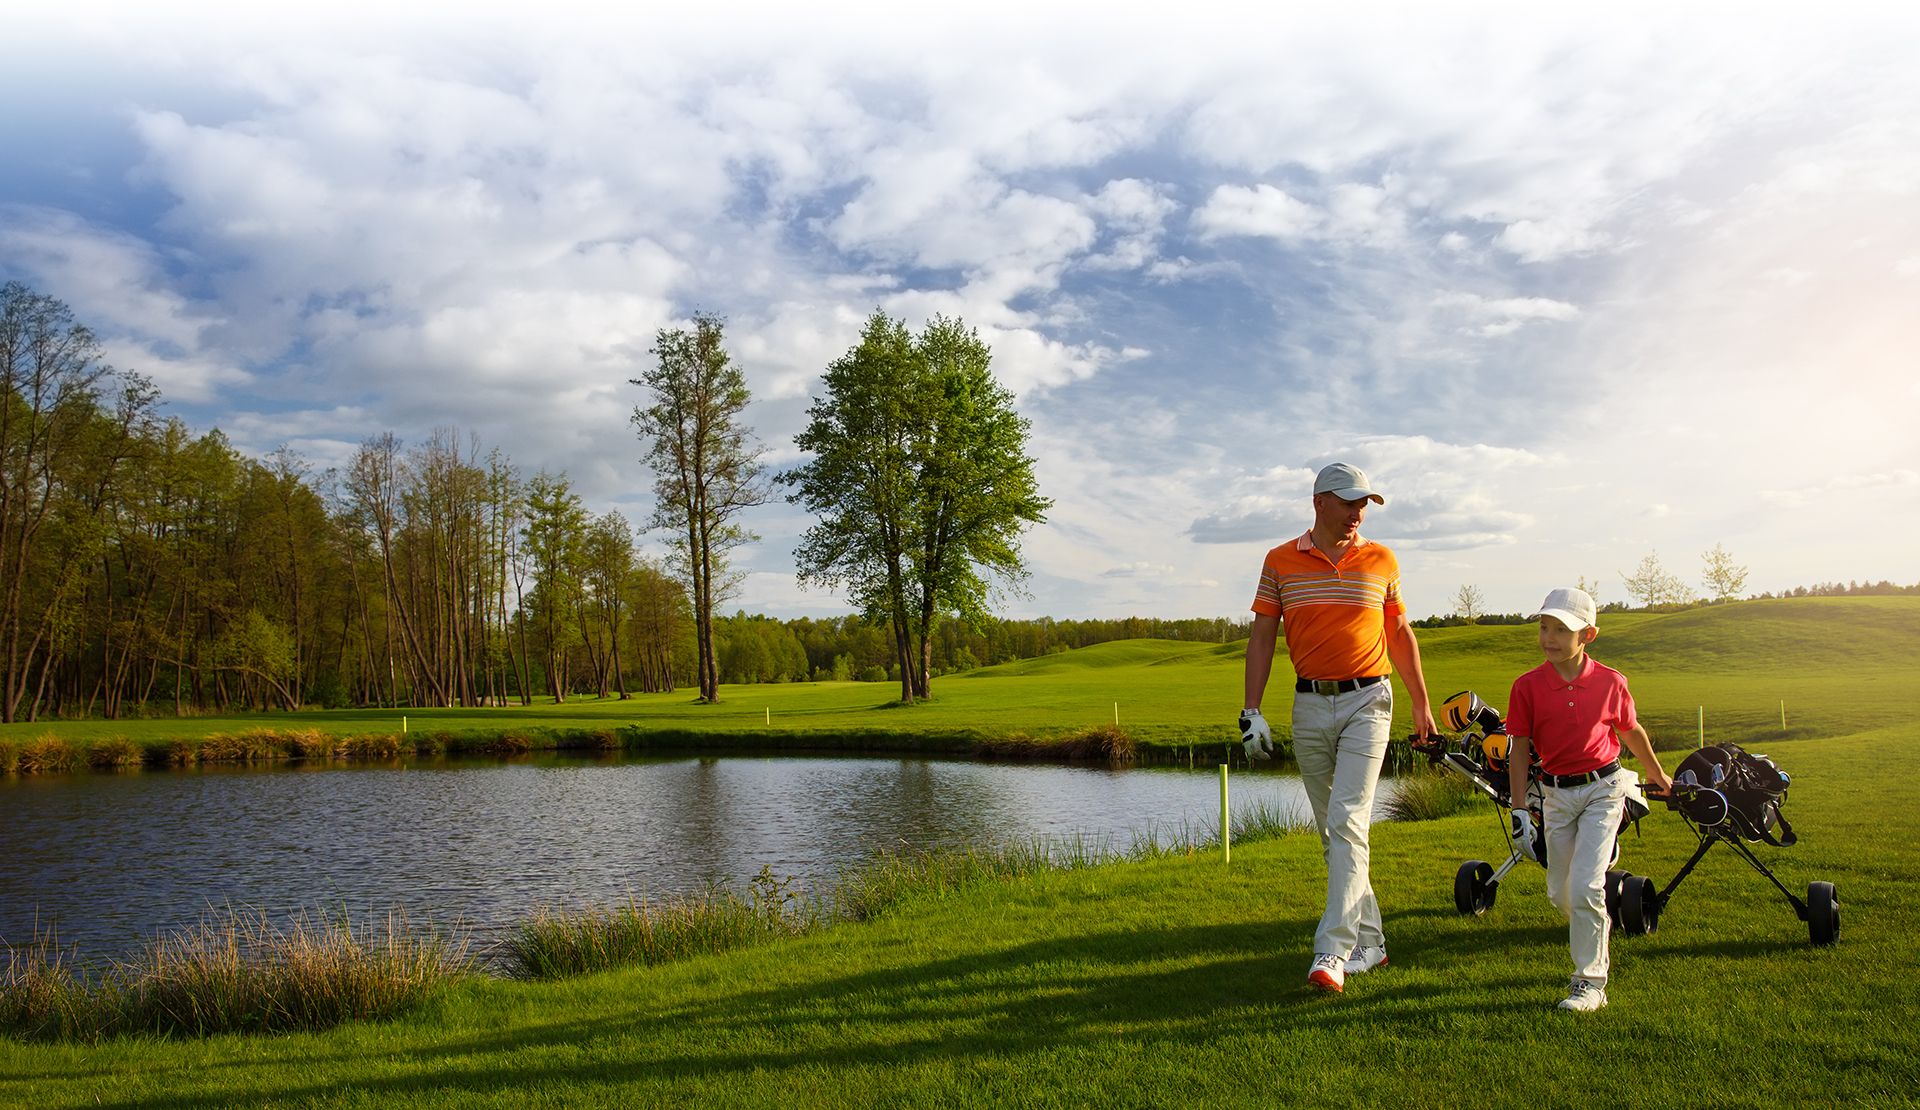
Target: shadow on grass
<point x="1180" y="989"/>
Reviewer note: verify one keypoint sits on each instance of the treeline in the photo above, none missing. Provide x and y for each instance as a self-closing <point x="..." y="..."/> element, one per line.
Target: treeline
<point x="143" y="566"/>
<point x="755" y="648"/>
<point x="1882" y="588"/>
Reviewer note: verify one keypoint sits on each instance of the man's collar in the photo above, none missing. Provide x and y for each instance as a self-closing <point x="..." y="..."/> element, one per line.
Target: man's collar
<point x="1305" y="542"/>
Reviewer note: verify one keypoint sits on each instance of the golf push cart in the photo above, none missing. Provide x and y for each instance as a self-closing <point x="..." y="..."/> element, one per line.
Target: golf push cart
<point x="1478" y="752"/>
<point x="1727" y="795"/>
<point x="1721" y="792"/>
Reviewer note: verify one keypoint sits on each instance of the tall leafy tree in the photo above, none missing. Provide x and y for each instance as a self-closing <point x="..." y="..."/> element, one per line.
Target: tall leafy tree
<point x="59" y="455"/>
<point x="921" y="483"/>
<point x="706" y="465"/>
<point x="554" y="535"/>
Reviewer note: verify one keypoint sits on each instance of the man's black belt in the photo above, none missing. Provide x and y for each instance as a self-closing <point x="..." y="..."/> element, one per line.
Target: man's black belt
<point x="1581" y="779"/>
<point x="1332" y="686"/>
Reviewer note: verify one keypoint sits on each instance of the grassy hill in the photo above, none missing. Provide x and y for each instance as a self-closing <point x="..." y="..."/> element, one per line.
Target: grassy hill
<point x="1835" y="664"/>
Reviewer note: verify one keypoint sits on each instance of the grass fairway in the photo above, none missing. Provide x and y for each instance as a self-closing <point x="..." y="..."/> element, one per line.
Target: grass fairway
<point x="1837" y="665"/>
<point x="1179" y="982"/>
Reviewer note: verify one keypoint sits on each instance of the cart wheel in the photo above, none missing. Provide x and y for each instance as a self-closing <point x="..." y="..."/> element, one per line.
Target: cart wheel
<point x="1823" y="913"/>
<point x="1473" y="888"/>
<point x="1639" y="905"/>
<point x="1614" y="879"/>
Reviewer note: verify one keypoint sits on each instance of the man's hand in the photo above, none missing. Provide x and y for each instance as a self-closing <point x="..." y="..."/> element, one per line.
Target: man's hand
<point x="1255" y="735"/>
<point x="1520" y="832"/>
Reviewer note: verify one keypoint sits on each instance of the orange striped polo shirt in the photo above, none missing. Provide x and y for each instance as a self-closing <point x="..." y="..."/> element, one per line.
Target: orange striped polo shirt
<point x="1334" y="614"/>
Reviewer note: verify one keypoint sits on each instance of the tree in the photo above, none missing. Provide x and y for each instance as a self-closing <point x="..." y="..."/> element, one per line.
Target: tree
<point x="1650" y="584"/>
<point x="706" y="466"/>
<point x="54" y="472"/>
<point x="607" y="564"/>
<point x="1724" y="578"/>
<point x="1469" y="603"/>
<point x="554" y="534"/>
<point x="1591" y="589"/>
<point x="920" y="482"/>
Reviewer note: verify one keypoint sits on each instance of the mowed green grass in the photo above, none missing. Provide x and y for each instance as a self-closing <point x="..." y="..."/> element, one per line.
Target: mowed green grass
<point x="1837" y="664"/>
<point x="1179" y="982"/>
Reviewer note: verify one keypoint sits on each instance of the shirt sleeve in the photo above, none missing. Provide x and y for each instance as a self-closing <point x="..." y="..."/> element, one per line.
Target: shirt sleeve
<point x="1266" y="595"/>
<point x="1391" y="603"/>
<point x="1625" y="714"/>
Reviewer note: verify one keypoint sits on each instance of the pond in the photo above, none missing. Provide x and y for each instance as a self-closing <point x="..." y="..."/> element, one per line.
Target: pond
<point x="110" y="861"/>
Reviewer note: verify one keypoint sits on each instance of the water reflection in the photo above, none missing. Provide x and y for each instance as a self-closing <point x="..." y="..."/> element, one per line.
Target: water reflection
<point x="111" y="860"/>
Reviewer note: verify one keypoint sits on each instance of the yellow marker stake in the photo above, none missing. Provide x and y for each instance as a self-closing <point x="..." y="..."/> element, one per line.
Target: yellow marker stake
<point x="403" y="723"/>
<point x="1226" y="833"/>
<point x="1783" y="716"/>
<point x="769" y="714"/>
<point x="1703" y="727"/>
<point x="1116" y="714"/>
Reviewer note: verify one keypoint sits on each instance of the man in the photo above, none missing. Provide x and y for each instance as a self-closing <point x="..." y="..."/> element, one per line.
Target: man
<point x="1338" y="597"/>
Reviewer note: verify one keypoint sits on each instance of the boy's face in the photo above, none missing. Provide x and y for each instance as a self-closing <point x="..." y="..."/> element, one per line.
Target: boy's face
<point x="1561" y="644"/>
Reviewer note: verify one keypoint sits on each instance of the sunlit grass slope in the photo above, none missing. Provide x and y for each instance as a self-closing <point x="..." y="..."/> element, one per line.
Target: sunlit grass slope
<point x="1834" y="664"/>
<point x="1178" y="982"/>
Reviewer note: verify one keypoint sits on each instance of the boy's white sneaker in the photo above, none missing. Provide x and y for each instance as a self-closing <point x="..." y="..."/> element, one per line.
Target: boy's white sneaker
<point x="1329" y="971"/>
<point x="1365" y="957"/>
<point x="1585" y="996"/>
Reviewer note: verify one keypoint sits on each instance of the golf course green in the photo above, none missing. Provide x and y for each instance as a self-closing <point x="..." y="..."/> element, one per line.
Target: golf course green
<point x="1177" y="979"/>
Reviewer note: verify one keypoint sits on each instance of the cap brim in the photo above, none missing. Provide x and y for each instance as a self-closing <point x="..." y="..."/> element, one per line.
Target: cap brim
<point x="1573" y="622"/>
<point x="1356" y="493"/>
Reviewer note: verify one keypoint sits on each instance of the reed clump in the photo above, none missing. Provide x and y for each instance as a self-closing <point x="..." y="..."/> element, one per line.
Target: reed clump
<point x="47" y="754"/>
<point x="1427" y="795"/>
<point x="558" y="943"/>
<point x="510" y="742"/>
<point x="42" y="999"/>
<point x="1108" y="743"/>
<point x="312" y="744"/>
<point x="114" y="753"/>
<point x="370" y="746"/>
<point x="255" y="745"/>
<point x="889" y="879"/>
<point x="235" y="971"/>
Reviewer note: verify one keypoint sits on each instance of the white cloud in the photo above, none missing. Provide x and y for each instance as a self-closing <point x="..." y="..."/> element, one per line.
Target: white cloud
<point x="389" y="220"/>
<point x="1546" y="240"/>
<point x="1261" y="211"/>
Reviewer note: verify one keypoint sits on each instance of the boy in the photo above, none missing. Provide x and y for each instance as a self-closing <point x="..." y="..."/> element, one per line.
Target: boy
<point x="1575" y="713"/>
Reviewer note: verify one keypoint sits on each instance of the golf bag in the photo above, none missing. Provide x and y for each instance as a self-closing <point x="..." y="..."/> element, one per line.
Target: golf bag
<point x="1737" y="788"/>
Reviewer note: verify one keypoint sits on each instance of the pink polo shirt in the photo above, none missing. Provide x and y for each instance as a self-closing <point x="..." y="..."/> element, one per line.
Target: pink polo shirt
<point x="1571" y="724"/>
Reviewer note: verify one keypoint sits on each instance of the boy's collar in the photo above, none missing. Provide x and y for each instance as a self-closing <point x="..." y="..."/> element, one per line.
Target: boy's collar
<point x="1580" y="677"/>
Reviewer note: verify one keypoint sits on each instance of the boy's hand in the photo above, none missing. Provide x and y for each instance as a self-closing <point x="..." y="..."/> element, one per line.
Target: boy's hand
<point x="1520" y="832"/>
<point x="1255" y="735"/>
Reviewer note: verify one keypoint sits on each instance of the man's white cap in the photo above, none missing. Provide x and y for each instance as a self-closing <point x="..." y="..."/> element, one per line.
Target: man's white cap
<point x="1569" y="606"/>
<point x="1348" y="483"/>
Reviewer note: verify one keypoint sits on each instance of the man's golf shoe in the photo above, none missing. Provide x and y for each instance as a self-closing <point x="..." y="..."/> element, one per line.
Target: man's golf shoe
<point x="1329" y="972"/>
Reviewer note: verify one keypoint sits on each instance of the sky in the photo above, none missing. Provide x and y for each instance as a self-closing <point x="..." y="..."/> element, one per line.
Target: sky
<point x="1573" y="286"/>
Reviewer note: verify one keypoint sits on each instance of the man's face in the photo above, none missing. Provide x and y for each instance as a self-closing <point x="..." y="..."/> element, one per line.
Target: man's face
<point x="1338" y="515"/>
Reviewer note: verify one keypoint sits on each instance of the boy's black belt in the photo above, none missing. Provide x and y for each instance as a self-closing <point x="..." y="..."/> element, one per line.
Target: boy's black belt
<point x="1332" y="686"/>
<point x="1582" y="779"/>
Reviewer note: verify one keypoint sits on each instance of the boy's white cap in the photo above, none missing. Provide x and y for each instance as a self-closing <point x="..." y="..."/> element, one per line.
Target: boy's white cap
<point x="1569" y="606"/>
<point x="1348" y="483"/>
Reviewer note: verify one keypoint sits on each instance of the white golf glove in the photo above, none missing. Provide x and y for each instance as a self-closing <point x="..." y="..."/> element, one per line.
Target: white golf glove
<point x="1255" y="734"/>
<point x="1520" y="832"/>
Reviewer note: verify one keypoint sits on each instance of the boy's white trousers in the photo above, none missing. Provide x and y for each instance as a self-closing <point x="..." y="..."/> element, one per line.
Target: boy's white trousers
<point x="1582" y="822"/>
<point x="1339" y="743"/>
